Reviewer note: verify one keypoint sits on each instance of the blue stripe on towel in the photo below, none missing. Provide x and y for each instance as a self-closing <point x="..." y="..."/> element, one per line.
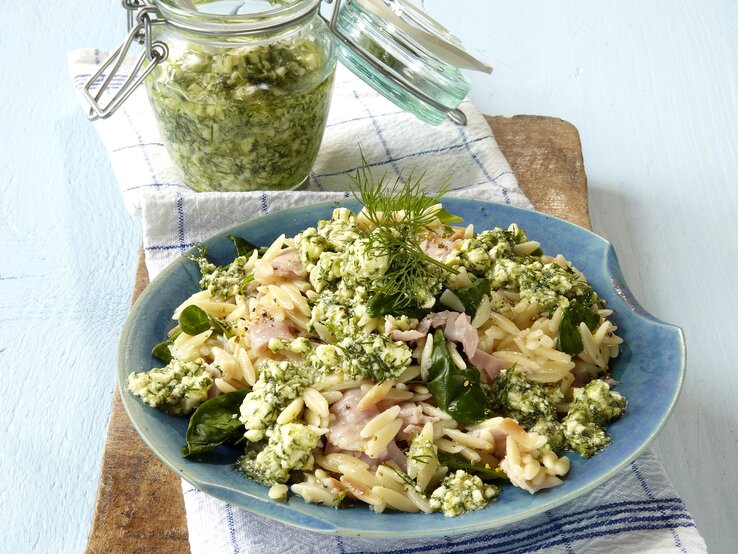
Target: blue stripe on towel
<point x="184" y="246"/>
<point x="560" y="529"/>
<point x="363" y="118"/>
<point x="637" y="473"/>
<point x="585" y="536"/>
<point x="232" y="529"/>
<point x="378" y="130"/>
<point x="480" y="165"/>
<point x="180" y="221"/>
<point x="139" y="140"/>
<point x="548" y="531"/>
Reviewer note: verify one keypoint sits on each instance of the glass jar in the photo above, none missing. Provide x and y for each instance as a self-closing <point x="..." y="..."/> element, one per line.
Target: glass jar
<point x="243" y="111"/>
<point x="241" y="89"/>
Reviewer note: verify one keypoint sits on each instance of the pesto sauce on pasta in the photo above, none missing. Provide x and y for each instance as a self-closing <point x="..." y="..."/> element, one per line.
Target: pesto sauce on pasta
<point x="339" y="401"/>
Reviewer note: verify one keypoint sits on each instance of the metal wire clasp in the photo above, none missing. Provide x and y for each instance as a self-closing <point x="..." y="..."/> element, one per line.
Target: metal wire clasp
<point x="141" y="18"/>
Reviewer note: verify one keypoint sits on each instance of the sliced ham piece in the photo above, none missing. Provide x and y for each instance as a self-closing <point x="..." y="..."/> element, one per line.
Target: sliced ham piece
<point x="344" y="430"/>
<point x="396" y="455"/>
<point x="500" y="442"/>
<point x="456" y="327"/>
<point x="489" y="363"/>
<point x="266" y="328"/>
<point x="288" y="264"/>
<point x="461" y="330"/>
<point x="436" y="319"/>
<point x="413" y="420"/>
<point x="437" y="248"/>
<point x="424" y="326"/>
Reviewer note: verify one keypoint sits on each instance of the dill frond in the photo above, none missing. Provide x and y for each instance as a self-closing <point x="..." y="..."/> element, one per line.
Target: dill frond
<point x="400" y="212"/>
<point x="383" y="200"/>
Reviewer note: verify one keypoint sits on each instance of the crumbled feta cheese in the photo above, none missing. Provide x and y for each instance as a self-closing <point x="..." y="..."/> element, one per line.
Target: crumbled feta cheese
<point x="227" y="281"/>
<point x="289" y="447"/>
<point x="362" y="263"/>
<point x="491" y="253"/>
<point x="592" y="407"/>
<point x="374" y="357"/>
<point x="462" y="492"/>
<point x="178" y="388"/>
<point x="530" y="404"/>
<point x="279" y="383"/>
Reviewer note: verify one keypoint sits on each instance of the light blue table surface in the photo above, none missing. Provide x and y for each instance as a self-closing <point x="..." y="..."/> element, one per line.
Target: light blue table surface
<point x="651" y="86"/>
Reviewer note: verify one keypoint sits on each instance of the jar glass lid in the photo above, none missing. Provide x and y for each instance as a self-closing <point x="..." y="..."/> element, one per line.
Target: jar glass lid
<point x="404" y="55"/>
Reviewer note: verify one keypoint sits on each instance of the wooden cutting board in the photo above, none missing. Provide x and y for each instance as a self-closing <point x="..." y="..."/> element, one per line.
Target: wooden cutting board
<point x="139" y="505"/>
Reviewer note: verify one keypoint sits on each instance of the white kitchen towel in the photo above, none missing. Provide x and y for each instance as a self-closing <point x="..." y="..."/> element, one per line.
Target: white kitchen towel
<point x="637" y="511"/>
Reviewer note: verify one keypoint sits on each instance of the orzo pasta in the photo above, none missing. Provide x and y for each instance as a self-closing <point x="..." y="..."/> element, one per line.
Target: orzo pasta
<point x="392" y="357"/>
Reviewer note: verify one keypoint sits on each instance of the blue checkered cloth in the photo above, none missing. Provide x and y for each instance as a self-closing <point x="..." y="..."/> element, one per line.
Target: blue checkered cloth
<point x="637" y="511"/>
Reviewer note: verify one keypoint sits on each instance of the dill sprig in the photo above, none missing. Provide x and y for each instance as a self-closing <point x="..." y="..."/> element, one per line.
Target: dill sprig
<point x="399" y="210"/>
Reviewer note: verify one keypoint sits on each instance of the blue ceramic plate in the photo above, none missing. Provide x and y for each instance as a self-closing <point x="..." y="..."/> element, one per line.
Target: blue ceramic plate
<point x="650" y="370"/>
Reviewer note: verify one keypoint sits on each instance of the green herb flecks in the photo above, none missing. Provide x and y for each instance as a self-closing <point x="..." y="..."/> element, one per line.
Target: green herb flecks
<point x="393" y="304"/>
<point x="246" y="118"/>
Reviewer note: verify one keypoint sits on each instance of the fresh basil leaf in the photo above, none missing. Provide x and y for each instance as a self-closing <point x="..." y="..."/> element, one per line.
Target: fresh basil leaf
<point x="245" y="281"/>
<point x="471" y="297"/>
<point x="243" y="247"/>
<point x="570" y="339"/>
<point x="215" y="422"/>
<point x="445" y="217"/>
<point x="221" y="327"/>
<point x="458" y="392"/>
<point x="385" y="304"/>
<point x="162" y="351"/>
<point x="455" y="462"/>
<point x="193" y="320"/>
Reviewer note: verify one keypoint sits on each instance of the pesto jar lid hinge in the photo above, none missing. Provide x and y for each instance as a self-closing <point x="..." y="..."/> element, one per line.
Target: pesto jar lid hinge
<point x="140" y="22"/>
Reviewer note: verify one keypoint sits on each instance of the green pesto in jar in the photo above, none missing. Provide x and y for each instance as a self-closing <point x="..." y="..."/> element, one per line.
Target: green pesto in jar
<point x="245" y="118"/>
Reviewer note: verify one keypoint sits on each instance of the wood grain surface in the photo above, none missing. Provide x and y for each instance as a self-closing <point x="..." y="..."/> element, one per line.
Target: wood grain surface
<point x="139" y="506"/>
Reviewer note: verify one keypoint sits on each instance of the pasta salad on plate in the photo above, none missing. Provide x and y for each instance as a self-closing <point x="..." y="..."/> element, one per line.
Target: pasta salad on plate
<point x="391" y="356"/>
